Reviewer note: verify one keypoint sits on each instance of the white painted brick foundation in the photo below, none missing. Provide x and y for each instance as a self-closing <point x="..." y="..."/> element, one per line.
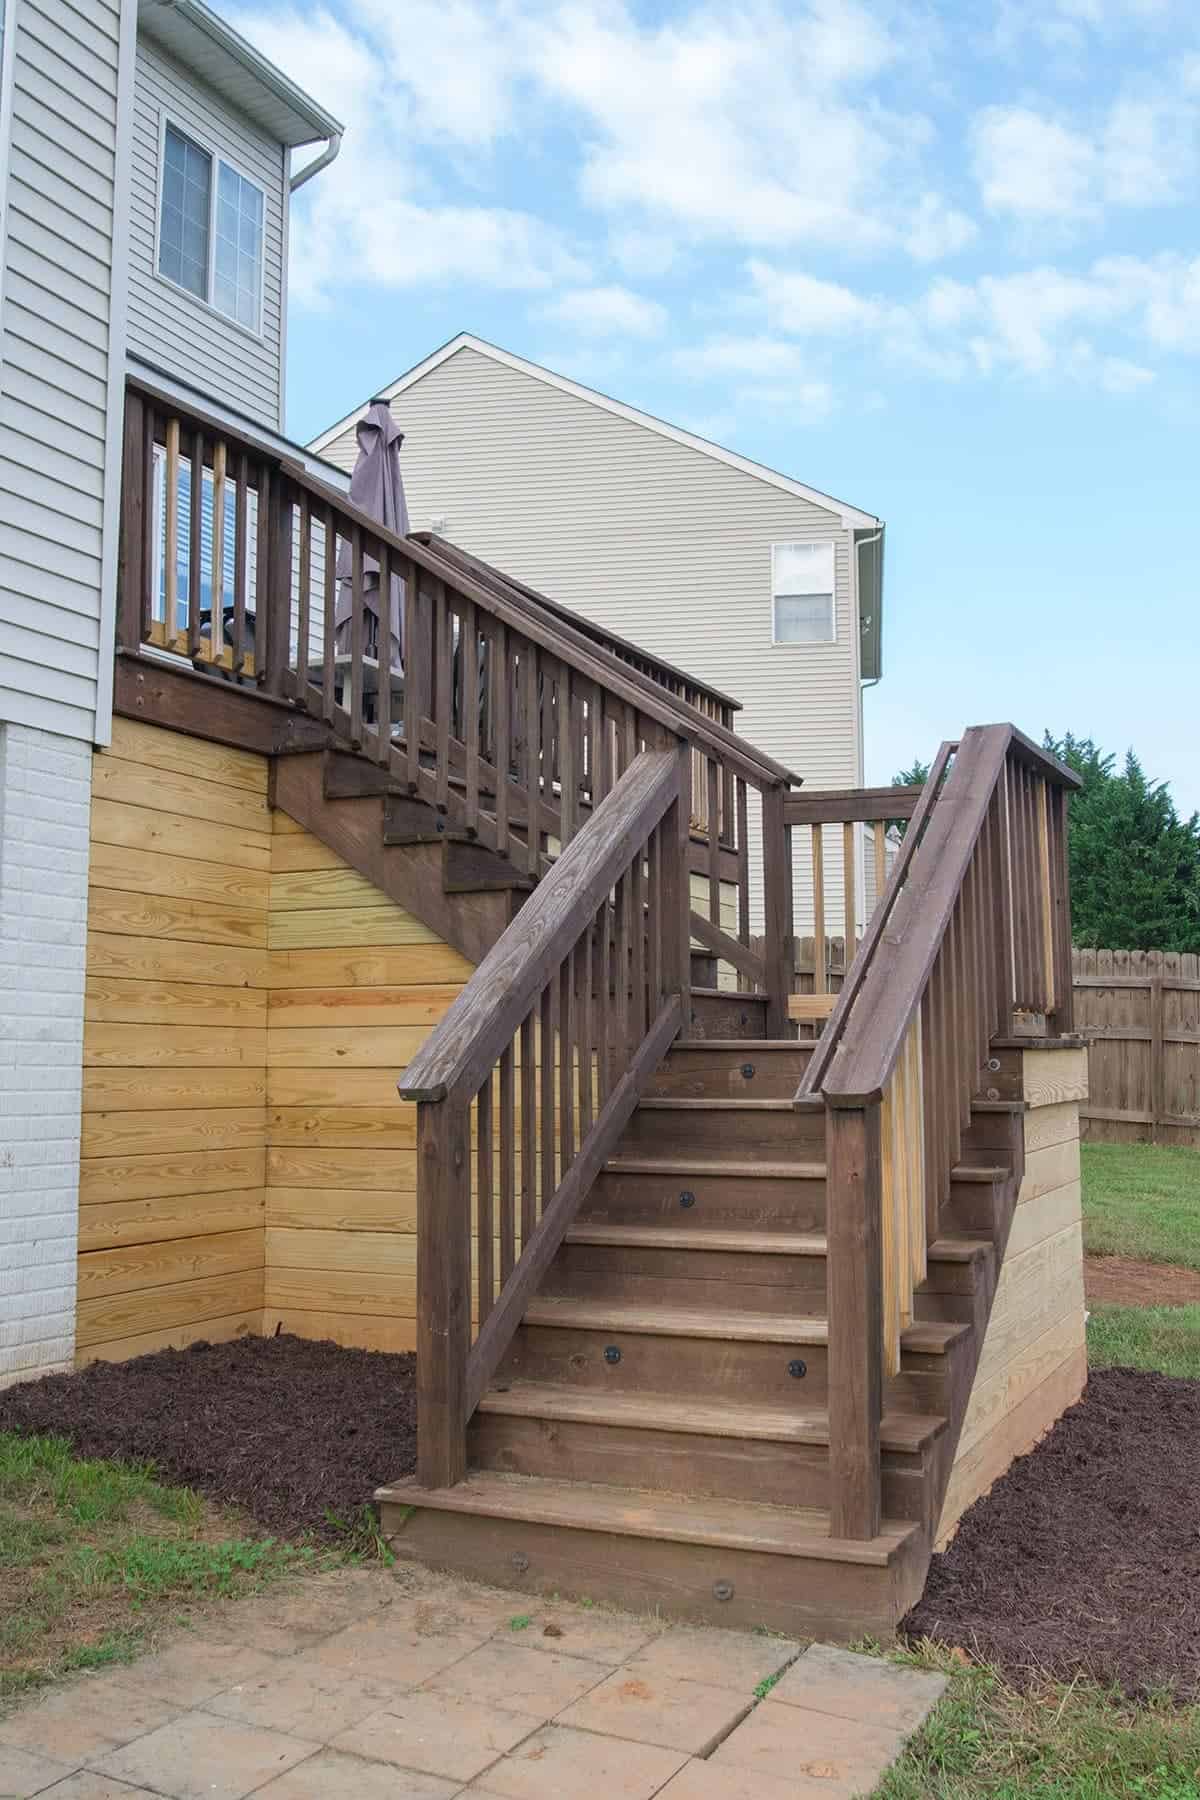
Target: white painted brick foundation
<point x="45" y="804"/>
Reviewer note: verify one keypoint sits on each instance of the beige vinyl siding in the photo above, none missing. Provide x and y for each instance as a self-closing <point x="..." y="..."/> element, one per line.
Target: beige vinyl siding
<point x="58" y="326"/>
<point x="172" y="328"/>
<point x="652" y="538"/>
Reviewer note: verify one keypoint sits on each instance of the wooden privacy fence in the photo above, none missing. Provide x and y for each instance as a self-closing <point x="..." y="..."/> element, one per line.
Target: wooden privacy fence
<point x="1140" y="1010"/>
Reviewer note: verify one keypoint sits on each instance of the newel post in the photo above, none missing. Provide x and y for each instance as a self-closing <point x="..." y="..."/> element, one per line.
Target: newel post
<point x="854" y="1281"/>
<point x="443" y="1290"/>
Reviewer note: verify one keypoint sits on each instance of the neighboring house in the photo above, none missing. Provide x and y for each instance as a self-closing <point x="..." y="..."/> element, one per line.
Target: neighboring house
<point x="748" y="579"/>
<point x="145" y="172"/>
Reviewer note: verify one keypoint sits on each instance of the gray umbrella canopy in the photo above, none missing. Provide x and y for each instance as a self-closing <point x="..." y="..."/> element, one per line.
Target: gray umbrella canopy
<point x="377" y="488"/>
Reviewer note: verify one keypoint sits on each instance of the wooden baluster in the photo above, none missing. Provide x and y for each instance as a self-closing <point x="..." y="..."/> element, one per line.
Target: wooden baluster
<point x="713" y="777"/>
<point x="1021" y="919"/>
<point x="548" y="670"/>
<point x="918" y="1236"/>
<point x="566" y="1063"/>
<point x="383" y="696"/>
<point x="654" y="980"/>
<point x="329" y="620"/>
<point x="501" y="713"/>
<point x="777" y="879"/>
<point x="849" y="893"/>
<point x="508" y="1165"/>
<point x="937" y="1128"/>
<point x="531" y="728"/>
<point x="619" y="1043"/>
<point x="413" y="622"/>
<point x="443" y="1291"/>
<point x="603" y="976"/>
<point x="855" y="1300"/>
<point x="358" y="630"/>
<point x="879" y="835"/>
<point x="529" y="1088"/>
<point x="472" y="699"/>
<point x="1045" y="895"/>
<point x="546" y="1112"/>
<point x="566" y="755"/>
<point x="241" y="561"/>
<point x="931" y="1195"/>
<point x="820" y="962"/>
<point x="584" y="1030"/>
<point x="135" y="615"/>
<point x="278" y="582"/>
<point x="171" y="536"/>
<point x="889" y="1249"/>
<point x="195" y="543"/>
<point x="1008" y="984"/>
<point x="1063" y="986"/>
<point x="743" y="863"/>
<point x="304" y="603"/>
<point x="596" y="746"/>
<point x="676" y="889"/>
<point x="484" y="1187"/>
<point x="217" y="647"/>
<point x="443" y="690"/>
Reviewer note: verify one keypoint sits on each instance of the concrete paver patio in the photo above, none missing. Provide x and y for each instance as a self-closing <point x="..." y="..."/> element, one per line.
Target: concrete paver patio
<point x="369" y="1684"/>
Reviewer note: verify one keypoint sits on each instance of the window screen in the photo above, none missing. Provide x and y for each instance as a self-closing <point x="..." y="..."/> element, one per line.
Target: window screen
<point x="802" y="593"/>
<point x="186" y="204"/>
<point x="237" y="267"/>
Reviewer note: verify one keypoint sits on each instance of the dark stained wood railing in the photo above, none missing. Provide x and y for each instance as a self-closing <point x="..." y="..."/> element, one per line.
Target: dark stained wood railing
<point x="970" y="941"/>
<point x="525" y="1086"/>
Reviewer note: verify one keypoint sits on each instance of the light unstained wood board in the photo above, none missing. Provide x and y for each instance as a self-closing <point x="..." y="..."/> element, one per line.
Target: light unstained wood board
<point x="1046" y="1125"/>
<point x="291" y="854"/>
<point x="1036" y="1220"/>
<point x="116" y="1090"/>
<point x="346" y="927"/>
<point x="247" y="1323"/>
<point x="1052" y="1166"/>
<point x="1050" y="1077"/>
<point x="974" y="1473"/>
<point x="113" y="1000"/>
<point x="188" y="921"/>
<point x="389" y="1047"/>
<point x="163" y="790"/>
<point x="180" y="834"/>
<point x="1002" y="1392"/>
<point x="303" y="890"/>
<point x="342" y="1209"/>
<point x="382" y="1170"/>
<point x="356" y="1330"/>
<point x="382" y="1254"/>
<point x="223" y="885"/>
<point x="379" y="966"/>
<point x="1035" y="1290"/>
<point x="114" y="1224"/>
<point x="354" y="1009"/>
<point x="159" y="748"/>
<point x="381" y="1294"/>
<point x="343" y="1127"/>
<point x="339" y="1087"/>
<point x="170" y="1134"/>
<point x="104" y="1179"/>
<point x="158" y="1264"/>
<point x="113" y="953"/>
<point x="177" y="1046"/>
<point x="143" y="1311"/>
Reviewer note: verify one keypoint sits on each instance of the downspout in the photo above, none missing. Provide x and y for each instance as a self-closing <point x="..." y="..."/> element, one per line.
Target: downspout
<point x="328" y="155"/>
<point x="863" y="544"/>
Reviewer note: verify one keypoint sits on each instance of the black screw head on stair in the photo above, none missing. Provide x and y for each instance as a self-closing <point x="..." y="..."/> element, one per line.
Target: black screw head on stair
<point x="611" y="1353"/>
<point x="748" y="1071"/>
<point x="722" y="1590"/>
<point x="441" y="825"/>
<point x="519" y="1561"/>
<point x="993" y="1063"/>
<point x="797" y="1369"/>
<point x="687" y="1198"/>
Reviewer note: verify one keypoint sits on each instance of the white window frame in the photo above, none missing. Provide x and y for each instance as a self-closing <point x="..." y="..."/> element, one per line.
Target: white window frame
<point x="218" y="157"/>
<point x="778" y="643"/>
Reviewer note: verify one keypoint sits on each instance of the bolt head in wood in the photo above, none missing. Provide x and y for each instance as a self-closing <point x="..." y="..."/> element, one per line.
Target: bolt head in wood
<point x="722" y="1590"/>
<point x="748" y="1071"/>
<point x="520" y="1561"/>
<point x="687" y="1198"/>
<point x="797" y="1368"/>
<point x="611" y="1353"/>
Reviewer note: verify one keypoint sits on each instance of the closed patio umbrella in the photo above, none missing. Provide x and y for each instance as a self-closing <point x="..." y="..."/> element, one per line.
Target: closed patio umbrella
<point x="377" y="488"/>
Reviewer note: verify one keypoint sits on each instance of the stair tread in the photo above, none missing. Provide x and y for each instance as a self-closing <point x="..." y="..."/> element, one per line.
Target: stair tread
<point x="711" y="993"/>
<point x="685" y="1237"/>
<point x="707" y="1418"/>
<point x="971" y="1172"/>
<point x="711" y="1165"/>
<point x="633" y="1512"/>
<point x="671" y="1103"/>
<point x="959" y="1248"/>
<point x="676" y="1321"/>
<point x="741" y="1045"/>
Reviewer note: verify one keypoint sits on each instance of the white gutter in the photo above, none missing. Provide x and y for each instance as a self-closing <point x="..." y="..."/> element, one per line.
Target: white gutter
<point x="328" y="155"/>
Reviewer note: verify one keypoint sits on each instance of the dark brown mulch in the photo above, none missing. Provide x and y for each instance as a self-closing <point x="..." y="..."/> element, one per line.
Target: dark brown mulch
<point x="291" y="1431"/>
<point x="1084" y="1559"/>
<point x="1127" y="1281"/>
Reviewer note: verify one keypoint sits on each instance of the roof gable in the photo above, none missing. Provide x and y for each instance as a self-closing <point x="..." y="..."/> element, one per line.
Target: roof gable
<point x="850" y="516"/>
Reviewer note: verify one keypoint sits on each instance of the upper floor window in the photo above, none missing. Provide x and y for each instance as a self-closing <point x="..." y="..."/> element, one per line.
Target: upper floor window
<point x="210" y="229"/>
<point x="802" y="594"/>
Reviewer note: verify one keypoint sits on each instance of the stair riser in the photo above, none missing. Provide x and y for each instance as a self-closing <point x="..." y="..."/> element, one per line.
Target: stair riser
<point x="745" y="1289"/>
<point x="713" y="1016"/>
<point x="573" y="1357"/>
<point x="973" y="1207"/>
<point x="680" y="1462"/>
<point x="801" y="1596"/>
<point x="730" y="1136"/>
<point x="720" y="1074"/>
<point x="719" y="1202"/>
<point x="933" y="1384"/>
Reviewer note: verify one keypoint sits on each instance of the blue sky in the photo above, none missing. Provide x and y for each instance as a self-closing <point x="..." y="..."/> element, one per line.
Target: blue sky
<point x="941" y="259"/>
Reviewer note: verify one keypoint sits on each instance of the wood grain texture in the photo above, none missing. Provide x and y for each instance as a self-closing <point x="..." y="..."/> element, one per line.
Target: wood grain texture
<point x="355" y="1011"/>
<point x="133" y="1267"/>
<point x="245" y="1323"/>
<point x="184" y="1303"/>
<point x="113" y="1224"/>
<point x="184" y="755"/>
<point x="366" y="966"/>
<point x="114" y="1178"/>
<point x="359" y="1331"/>
<point x="114" y="1091"/>
<point x="130" y="958"/>
<point x="118" y="1001"/>
<point x="987" y="1460"/>
<point x="181" y="834"/>
<point x="179" y="1046"/>
<point x="218" y="884"/>
<point x="189" y="921"/>
<point x="137" y="784"/>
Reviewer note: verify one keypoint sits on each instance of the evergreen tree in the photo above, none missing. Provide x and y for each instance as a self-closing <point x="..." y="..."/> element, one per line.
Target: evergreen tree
<point x="917" y="776"/>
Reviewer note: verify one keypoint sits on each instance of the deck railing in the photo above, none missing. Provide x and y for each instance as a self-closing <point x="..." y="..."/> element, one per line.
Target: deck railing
<point x="970" y="941"/>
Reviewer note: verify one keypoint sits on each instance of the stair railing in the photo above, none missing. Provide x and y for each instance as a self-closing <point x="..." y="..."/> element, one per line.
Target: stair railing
<point x="525" y="1086"/>
<point x="970" y="942"/>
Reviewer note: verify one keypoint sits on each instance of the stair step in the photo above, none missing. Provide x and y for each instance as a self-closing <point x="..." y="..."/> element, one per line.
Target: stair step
<point x="682" y="1237"/>
<point x="967" y="1173"/>
<point x="902" y="1431"/>
<point x="733" y="995"/>
<point x="632" y="1512"/>
<point x="743" y="1046"/>
<point x="673" y="1104"/>
<point x="671" y="1166"/>
<point x="675" y="1321"/>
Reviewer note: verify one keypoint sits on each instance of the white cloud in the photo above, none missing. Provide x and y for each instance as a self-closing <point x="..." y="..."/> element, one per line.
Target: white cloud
<point x="1031" y="166"/>
<point x="806" y="305"/>
<point x="606" y="312"/>
<point x="745" y="356"/>
<point x="1036" y="168"/>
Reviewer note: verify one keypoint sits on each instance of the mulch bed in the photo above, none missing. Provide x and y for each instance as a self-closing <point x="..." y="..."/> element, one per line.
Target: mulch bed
<point x="297" y="1434"/>
<point x="1084" y="1559"/>
<point x="1128" y="1281"/>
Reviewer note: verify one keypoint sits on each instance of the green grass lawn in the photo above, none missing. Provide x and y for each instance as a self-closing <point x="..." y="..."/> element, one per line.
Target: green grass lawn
<point x="1166" y="1338"/>
<point x="94" y="1556"/>
<point x="1140" y="1200"/>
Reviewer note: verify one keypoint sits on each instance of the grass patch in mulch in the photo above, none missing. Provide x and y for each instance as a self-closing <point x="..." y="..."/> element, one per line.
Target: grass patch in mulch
<point x="1083" y="1561"/>
<point x="1143" y="1201"/>
<point x="95" y="1555"/>
<point x="1165" y="1338"/>
<point x="296" y="1434"/>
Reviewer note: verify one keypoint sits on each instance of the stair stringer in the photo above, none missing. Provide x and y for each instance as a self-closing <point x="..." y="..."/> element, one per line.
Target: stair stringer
<point x="411" y="874"/>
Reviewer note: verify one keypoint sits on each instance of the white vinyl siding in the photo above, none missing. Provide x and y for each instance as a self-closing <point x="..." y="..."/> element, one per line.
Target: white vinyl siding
<point x="169" y="327"/>
<point x="652" y="538"/>
<point x="58" y="469"/>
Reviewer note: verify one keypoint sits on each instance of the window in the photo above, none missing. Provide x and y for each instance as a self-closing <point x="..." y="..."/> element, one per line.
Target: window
<point x="210" y="230"/>
<point x="802" y="593"/>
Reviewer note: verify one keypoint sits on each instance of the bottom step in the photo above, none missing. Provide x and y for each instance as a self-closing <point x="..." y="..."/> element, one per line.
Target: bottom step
<point x="721" y="1562"/>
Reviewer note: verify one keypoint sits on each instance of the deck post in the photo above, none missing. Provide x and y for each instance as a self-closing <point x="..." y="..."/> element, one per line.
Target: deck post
<point x="443" y="1290"/>
<point x="133" y="578"/>
<point x="778" y="951"/>
<point x="854" y="1278"/>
